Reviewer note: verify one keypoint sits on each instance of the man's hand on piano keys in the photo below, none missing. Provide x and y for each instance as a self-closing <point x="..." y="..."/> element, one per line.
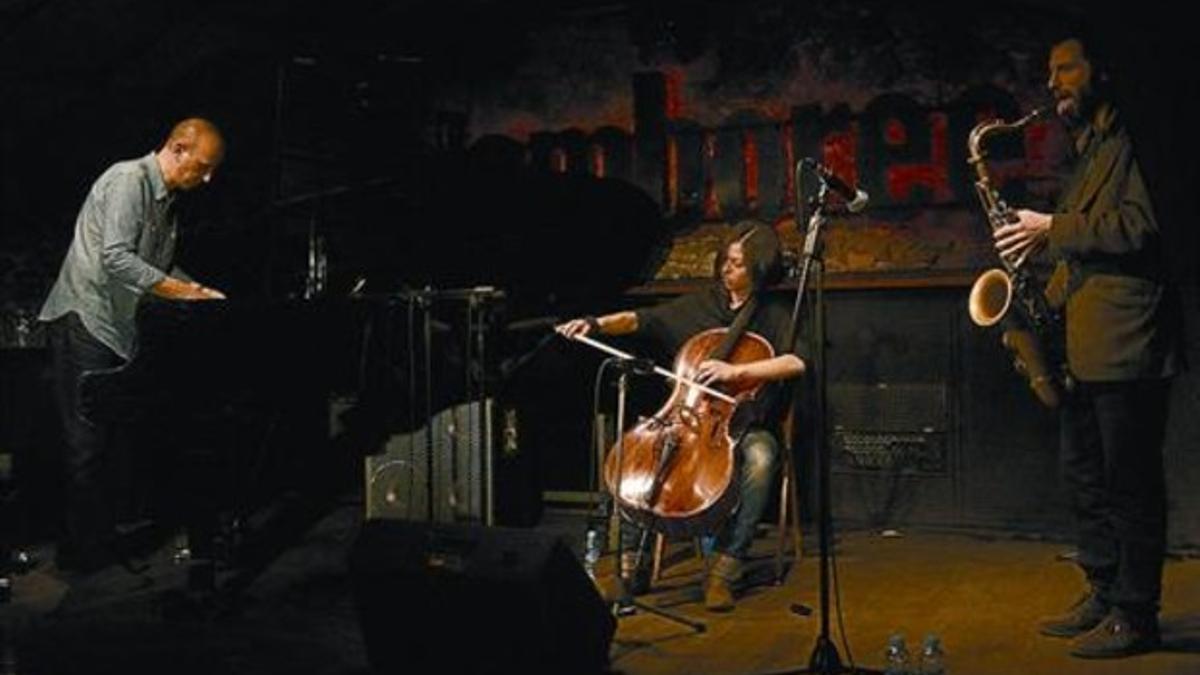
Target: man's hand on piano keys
<point x="176" y="289"/>
<point x="205" y="293"/>
<point x="194" y="290"/>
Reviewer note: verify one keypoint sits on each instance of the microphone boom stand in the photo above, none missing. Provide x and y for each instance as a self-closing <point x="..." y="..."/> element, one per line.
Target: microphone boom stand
<point x="824" y="659"/>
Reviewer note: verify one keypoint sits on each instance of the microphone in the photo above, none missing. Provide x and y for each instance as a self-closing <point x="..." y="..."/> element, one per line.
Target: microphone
<point x="856" y="199"/>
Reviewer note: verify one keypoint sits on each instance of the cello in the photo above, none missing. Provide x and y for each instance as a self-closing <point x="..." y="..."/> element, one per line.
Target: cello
<point x="678" y="471"/>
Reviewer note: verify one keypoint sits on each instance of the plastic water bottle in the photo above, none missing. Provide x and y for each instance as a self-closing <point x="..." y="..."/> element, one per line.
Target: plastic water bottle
<point x="933" y="659"/>
<point x="895" y="657"/>
<point x="591" y="552"/>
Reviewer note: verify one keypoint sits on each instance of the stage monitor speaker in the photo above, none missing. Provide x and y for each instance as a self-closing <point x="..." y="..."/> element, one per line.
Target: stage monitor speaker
<point x="397" y="481"/>
<point x="469" y="599"/>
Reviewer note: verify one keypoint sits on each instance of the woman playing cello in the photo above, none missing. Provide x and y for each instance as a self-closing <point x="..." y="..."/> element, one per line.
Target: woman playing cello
<point x="737" y="304"/>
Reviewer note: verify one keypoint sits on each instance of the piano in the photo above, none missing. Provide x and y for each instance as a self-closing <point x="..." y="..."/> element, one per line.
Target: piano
<point x="229" y="404"/>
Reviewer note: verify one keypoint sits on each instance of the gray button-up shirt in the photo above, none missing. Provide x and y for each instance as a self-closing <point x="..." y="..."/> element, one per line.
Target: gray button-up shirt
<point x="124" y="242"/>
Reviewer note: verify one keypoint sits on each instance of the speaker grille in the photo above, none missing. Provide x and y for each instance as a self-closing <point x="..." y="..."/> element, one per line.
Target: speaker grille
<point x="397" y="481"/>
<point x="889" y="427"/>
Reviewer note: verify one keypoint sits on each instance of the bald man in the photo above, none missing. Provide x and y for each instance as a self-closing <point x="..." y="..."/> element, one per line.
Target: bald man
<point x="123" y="248"/>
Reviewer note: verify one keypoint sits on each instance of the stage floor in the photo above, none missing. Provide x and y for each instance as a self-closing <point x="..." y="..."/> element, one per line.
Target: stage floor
<point x="980" y="593"/>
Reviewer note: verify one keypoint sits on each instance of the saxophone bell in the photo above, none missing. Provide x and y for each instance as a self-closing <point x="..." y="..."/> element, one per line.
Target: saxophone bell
<point x="990" y="298"/>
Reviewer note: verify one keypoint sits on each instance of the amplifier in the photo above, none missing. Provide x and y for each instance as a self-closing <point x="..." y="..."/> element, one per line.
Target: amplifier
<point x="889" y="428"/>
<point x="461" y="449"/>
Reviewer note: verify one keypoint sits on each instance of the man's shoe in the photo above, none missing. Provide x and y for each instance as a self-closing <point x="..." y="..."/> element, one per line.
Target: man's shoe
<point x="718" y="583"/>
<point x="1118" y="635"/>
<point x="1087" y="613"/>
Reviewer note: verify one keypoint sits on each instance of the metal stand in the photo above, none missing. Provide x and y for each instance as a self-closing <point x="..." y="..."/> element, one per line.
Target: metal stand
<point x="824" y="658"/>
<point x="478" y="303"/>
<point x="626" y="604"/>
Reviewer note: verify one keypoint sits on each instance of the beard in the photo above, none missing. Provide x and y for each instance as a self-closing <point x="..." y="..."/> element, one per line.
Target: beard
<point x="1076" y="110"/>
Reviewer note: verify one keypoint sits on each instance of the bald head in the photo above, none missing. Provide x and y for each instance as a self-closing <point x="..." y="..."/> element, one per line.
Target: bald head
<point x="191" y="153"/>
<point x="197" y="130"/>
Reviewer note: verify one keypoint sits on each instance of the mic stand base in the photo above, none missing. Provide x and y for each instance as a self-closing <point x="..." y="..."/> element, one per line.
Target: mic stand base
<point x="825" y="660"/>
<point x="625" y="604"/>
<point x="825" y="657"/>
<point x="630" y="607"/>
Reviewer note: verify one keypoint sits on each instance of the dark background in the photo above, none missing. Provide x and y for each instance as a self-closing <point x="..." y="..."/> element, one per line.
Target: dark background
<point x="333" y="115"/>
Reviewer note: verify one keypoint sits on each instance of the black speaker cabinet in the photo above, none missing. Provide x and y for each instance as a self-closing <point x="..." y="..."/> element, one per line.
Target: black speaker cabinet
<point x="469" y="599"/>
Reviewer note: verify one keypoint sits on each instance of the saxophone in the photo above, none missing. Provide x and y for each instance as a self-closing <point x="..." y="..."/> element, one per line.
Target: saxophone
<point x="1034" y="334"/>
